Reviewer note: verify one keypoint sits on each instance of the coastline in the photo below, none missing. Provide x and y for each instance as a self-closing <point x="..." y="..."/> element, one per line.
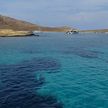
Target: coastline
<point x="94" y="31"/>
<point x="14" y="33"/>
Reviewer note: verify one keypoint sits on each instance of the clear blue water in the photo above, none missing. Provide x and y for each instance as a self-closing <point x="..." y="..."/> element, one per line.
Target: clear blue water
<point x="54" y="71"/>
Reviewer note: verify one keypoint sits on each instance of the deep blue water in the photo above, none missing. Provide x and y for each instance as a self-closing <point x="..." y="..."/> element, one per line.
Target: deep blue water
<point x="54" y="70"/>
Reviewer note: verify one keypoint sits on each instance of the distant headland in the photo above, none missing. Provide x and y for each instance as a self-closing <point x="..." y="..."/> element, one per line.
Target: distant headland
<point x="14" y="27"/>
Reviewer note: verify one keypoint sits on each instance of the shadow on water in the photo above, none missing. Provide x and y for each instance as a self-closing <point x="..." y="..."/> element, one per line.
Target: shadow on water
<point x="18" y="88"/>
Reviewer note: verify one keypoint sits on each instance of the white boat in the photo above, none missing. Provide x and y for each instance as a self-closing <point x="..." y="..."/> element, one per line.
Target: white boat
<point x="36" y="33"/>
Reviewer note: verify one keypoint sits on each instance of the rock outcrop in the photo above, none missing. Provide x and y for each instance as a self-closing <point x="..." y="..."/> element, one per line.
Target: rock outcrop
<point x="12" y="33"/>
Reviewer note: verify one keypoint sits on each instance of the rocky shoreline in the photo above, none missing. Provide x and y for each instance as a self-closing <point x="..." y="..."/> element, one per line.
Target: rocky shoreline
<point x="14" y="33"/>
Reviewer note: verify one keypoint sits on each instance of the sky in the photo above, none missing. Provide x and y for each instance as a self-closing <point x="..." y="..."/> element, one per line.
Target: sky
<point x="81" y="14"/>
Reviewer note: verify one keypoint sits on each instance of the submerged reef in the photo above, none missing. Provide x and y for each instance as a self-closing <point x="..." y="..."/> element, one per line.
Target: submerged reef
<point x="19" y="84"/>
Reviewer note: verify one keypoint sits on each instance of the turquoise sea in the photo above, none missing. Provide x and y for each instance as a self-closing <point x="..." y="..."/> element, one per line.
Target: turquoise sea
<point x="54" y="70"/>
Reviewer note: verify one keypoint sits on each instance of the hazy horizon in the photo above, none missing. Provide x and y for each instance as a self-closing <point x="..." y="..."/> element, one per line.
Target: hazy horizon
<point x="82" y="14"/>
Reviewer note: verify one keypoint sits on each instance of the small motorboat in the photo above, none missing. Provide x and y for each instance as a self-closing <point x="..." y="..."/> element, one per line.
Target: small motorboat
<point x="36" y="33"/>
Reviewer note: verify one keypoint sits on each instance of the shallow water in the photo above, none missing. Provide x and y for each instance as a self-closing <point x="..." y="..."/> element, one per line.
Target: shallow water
<point x="54" y="70"/>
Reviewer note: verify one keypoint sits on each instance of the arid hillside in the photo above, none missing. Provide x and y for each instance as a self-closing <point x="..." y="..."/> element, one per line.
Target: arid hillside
<point x="97" y="30"/>
<point x="14" y="24"/>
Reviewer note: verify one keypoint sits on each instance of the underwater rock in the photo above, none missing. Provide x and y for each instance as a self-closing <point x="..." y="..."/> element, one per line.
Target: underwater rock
<point x="83" y="53"/>
<point x="19" y="84"/>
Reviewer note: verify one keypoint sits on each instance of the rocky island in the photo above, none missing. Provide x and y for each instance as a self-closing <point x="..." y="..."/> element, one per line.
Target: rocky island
<point x="13" y="27"/>
<point x="10" y="27"/>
